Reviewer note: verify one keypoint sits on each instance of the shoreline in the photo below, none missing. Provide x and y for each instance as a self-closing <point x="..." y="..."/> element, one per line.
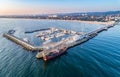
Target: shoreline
<point x="87" y="22"/>
<point x="92" y="22"/>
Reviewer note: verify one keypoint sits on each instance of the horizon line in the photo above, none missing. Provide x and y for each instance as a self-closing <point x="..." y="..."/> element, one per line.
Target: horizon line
<point x="58" y="13"/>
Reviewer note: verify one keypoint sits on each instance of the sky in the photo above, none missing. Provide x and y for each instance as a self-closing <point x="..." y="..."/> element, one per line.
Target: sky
<point x="31" y="7"/>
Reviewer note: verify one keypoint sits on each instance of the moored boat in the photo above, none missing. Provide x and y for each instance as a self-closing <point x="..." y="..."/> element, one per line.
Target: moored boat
<point x="54" y="54"/>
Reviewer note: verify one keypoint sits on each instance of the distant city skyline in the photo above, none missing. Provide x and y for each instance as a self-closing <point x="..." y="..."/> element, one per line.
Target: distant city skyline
<point x="29" y="7"/>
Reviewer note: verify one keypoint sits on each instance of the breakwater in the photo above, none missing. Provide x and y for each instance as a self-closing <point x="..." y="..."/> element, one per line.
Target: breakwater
<point x="23" y="43"/>
<point x="37" y="30"/>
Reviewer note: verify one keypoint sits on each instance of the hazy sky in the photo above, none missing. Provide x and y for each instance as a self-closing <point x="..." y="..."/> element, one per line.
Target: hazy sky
<point x="16" y="7"/>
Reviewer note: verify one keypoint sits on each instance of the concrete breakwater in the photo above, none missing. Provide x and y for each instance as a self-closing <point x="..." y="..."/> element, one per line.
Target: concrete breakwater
<point x="24" y="44"/>
<point x="37" y="30"/>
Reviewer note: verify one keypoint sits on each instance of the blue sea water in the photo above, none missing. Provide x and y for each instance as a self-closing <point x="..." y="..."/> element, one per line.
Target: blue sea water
<point x="98" y="57"/>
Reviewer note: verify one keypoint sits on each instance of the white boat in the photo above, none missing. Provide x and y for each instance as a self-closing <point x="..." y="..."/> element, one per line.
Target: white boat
<point x="46" y="38"/>
<point x="45" y="42"/>
<point x="26" y="39"/>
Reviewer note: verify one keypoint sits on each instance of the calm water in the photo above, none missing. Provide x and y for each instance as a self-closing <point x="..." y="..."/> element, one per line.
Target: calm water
<point x="98" y="57"/>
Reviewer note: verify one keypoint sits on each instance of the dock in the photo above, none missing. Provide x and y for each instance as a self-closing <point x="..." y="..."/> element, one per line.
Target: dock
<point x="84" y="38"/>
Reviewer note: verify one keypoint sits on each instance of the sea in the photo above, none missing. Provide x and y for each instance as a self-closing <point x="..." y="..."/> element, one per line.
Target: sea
<point x="98" y="57"/>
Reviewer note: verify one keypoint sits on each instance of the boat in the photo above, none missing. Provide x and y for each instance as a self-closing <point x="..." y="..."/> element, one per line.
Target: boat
<point x="54" y="54"/>
<point x="105" y="28"/>
<point x="11" y="31"/>
<point x="39" y="35"/>
<point x="47" y="41"/>
<point x="92" y="35"/>
<point x="26" y="39"/>
<point x="46" y="38"/>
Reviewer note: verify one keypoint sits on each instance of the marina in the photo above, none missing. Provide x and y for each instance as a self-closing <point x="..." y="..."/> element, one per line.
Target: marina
<point x="56" y="48"/>
<point x="59" y="38"/>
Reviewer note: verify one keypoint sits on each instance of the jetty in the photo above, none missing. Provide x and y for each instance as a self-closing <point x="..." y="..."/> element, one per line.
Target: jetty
<point x="22" y="43"/>
<point x="74" y="39"/>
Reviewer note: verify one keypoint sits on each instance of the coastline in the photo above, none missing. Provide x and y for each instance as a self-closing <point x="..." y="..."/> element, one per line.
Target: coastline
<point x="87" y="22"/>
<point x="92" y="22"/>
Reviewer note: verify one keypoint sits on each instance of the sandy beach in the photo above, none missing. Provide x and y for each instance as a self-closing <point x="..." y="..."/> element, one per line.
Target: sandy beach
<point x="87" y="22"/>
<point x="92" y="22"/>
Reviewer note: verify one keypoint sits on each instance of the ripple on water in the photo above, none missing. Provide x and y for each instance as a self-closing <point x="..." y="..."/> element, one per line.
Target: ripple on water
<point x="98" y="57"/>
